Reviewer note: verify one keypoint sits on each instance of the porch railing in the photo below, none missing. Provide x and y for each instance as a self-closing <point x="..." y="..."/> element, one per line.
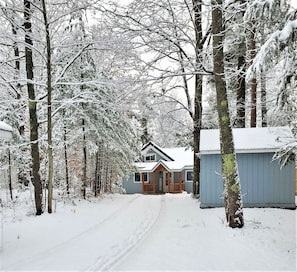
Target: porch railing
<point x="148" y="188"/>
<point x="176" y="187"/>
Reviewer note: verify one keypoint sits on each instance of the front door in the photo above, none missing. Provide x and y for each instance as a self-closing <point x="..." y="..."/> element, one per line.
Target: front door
<point x="159" y="185"/>
<point x="162" y="182"/>
<point x="165" y="181"/>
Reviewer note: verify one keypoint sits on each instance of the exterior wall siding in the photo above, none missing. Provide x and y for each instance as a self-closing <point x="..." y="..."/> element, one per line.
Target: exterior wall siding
<point x="130" y="186"/>
<point x="188" y="186"/>
<point x="263" y="183"/>
<point x="151" y="152"/>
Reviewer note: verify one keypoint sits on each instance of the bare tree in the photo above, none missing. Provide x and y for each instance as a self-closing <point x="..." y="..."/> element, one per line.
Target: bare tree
<point x="32" y="108"/>
<point x="49" y="108"/>
<point x="197" y="118"/>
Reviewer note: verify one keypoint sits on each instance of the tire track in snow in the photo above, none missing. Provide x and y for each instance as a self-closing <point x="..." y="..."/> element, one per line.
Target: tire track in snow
<point x="122" y="250"/>
<point x="22" y="263"/>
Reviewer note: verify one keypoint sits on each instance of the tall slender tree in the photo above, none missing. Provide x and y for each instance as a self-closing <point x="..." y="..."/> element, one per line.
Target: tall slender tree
<point x="232" y="192"/>
<point x="253" y="119"/>
<point x="34" y="139"/>
<point x="49" y="107"/>
<point x="197" y="118"/>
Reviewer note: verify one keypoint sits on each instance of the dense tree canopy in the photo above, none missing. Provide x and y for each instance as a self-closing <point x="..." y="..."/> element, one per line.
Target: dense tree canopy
<point x="120" y="74"/>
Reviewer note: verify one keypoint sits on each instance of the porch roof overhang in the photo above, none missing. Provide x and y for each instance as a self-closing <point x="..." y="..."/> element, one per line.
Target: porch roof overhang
<point x="170" y="166"/>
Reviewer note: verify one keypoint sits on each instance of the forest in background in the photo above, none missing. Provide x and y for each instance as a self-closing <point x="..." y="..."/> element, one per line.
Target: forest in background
<point x="85" y="84"/>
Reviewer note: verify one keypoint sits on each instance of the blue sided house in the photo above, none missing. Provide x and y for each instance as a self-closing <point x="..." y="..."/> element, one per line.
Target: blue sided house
<point x="161" y="170"/>
<point x="264" y="183"/>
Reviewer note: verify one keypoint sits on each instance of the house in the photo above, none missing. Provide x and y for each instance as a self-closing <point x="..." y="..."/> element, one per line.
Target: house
<point x="263" y="182"/>
<point x="161" y="170"/>
<point x="5" y="131"/>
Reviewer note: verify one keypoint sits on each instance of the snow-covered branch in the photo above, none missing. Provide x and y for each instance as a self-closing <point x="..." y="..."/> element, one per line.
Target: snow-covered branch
<point x="270" y="51"/>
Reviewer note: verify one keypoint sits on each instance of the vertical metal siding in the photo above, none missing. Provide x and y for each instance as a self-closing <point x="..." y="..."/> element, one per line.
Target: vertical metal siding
<point x="263" y="183"/>
<point x="211" y="185"/>
<point x="296" y="180"/>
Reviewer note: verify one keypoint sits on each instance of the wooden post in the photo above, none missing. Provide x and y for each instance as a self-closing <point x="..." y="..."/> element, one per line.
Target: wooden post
<point x="154" y="181"/>
<point x="168" y="182"/>
<point x="142" y="180"/>
<point x="180" y="182"/>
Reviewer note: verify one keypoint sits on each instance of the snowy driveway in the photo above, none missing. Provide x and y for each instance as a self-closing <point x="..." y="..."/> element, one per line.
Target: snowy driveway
<point x="94" y="248"/>
<point x="142" y="232"/>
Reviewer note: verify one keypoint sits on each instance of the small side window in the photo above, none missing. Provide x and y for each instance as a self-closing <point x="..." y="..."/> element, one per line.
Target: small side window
<point x="137" y="177"/>
<point x="189" y="176"/>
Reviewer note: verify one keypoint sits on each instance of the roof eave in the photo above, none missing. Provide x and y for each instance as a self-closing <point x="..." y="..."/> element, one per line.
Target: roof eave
<point x="158" y="149"/>
<point x="240" y="151"/>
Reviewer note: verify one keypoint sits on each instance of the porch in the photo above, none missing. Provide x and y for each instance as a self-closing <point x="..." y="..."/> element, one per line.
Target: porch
<point x="162" y="181"/>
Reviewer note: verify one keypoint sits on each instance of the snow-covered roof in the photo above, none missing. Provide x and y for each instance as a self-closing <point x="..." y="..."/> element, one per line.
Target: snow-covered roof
<point x="178" y="158"/>
<point x="248" y="140"/>
<point x="5" y="131"/>
<point x="180" y="155"/>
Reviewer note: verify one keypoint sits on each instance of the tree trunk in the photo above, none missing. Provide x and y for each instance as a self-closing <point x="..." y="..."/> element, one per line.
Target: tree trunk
<point x="263" y="100"/>
<point x="96" y="182"/>
<point x="66" y="160"/>
<point x="100" y="166"/>
<point x="198" y="97"/>
<point x="32" y="109"/>
<point x="241" y="88"/>
<point x="10" y="175"/>
<point x="232" y="194"/>
<point x="49" y="110"/>
<point x="84" y="160"/>
<point x="16" y="51"/>
<point x="253" y="83"/>
<point x="240" y="101"/>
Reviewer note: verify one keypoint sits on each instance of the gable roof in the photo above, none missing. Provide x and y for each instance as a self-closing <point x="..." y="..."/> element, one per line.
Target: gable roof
<point x="178" y="158"/>
<point x="156" y="148"/>
<point x="5" y="131"/>
<point x="248" y="140"/>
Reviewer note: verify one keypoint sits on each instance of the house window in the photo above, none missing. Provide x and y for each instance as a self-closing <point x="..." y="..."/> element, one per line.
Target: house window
<point x="137" y="177"/>
<point x="150" y="157"/>
<point x="146" y="177"/>
<point x="189" y="176"/>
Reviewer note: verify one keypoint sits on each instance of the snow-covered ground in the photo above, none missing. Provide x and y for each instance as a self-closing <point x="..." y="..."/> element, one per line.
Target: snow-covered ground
<point x="142" y="232"/>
